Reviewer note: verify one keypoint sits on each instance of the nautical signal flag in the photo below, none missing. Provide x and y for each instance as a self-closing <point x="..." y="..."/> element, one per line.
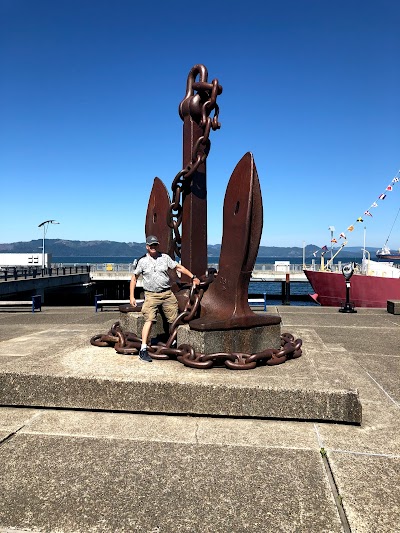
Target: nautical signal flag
<point x="323" y="250"/>
<point x="382" y="196"/>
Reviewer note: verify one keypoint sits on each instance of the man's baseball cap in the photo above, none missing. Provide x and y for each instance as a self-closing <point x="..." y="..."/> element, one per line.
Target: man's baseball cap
<point x="152" y="239"/>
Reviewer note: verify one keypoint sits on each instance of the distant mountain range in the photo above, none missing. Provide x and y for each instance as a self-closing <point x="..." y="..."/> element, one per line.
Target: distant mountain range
<point x="64" y="248"/>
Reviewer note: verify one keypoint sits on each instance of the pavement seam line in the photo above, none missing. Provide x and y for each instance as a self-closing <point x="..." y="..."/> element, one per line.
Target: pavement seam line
<point x="10" y="436"/>
<point x="355" y="327"/>
<point x="14" y="433"/>
<point x="380" y="386"/>
<point x="335" y="492"/>
<point x="370" y="454"/>
<point x="331" y="480"/>
<point x="319" y="439"/>
<point x="148" y="439"/>
<point x="12" y="530"/>
<point x="373" y="354"/>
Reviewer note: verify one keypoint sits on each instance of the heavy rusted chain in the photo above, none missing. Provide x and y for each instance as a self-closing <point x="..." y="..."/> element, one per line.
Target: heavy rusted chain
<point x="199" y="107"/>
<point x="129" y="344"/>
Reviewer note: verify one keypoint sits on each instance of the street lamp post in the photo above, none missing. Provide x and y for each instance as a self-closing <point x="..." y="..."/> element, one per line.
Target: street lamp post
<point x="45" y="225"/>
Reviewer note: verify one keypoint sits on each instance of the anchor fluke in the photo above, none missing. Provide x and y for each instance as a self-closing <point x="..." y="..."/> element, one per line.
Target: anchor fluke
<point x="156" y="216"/>
<point x="225" y="303"/>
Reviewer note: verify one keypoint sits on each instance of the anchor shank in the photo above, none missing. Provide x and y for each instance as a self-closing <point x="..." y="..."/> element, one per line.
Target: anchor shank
<point x="194" y="219"/>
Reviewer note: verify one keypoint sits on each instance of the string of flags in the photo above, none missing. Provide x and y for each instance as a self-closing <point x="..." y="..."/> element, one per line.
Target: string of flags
<point x="367" y="212"/>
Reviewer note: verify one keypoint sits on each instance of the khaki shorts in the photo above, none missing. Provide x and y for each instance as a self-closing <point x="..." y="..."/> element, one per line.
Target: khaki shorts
<point x="166" y="300"/>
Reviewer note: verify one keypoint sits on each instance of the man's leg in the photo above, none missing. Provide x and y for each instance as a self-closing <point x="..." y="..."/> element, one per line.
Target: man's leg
<point x="146" y="332"/>
<point x="149" y="311"/>
<point x="170" y="308"/>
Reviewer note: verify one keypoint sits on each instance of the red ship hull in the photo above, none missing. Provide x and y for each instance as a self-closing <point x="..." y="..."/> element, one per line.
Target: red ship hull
<point x="388" y="257"/>
<point x="365" y="291"/>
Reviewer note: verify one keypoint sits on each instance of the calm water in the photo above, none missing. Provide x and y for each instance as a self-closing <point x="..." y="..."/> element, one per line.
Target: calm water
<point x="91" y="260"/>
<point x="299" y="291"/>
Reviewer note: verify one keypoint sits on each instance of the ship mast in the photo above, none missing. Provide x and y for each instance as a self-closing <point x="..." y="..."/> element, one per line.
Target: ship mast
<point x="365" y="232"/>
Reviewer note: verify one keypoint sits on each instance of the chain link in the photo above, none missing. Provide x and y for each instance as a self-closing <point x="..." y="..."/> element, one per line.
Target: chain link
<point x="199" y="106"/>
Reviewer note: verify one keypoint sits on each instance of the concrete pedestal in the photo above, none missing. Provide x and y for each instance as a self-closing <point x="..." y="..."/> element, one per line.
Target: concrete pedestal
<point x="134" y="323"/>
<point x="236" y="340"/>
<point x="249" y="340"/>
<point x="58" y="368"/>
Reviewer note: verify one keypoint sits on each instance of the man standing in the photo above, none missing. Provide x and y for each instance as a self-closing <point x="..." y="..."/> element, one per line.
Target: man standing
<point x="154" y="267"/>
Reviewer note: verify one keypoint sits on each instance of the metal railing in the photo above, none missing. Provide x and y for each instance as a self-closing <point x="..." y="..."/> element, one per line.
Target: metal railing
<point x="129" y="267"/>
<point x="15" y="273"/>
<point x="58" y="269"/>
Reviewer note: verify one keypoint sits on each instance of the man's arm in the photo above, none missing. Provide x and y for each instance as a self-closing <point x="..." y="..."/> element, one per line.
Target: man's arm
<point x="183" y="270"/>
<point x="132" y="287"/>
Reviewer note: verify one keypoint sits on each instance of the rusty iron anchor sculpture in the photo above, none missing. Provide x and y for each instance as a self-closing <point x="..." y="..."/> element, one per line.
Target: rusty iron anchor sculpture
<point x="221" y="303"/>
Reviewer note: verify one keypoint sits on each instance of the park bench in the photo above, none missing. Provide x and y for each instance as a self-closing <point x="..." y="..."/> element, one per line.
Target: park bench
<point x="35" y="304"/>
<point x="259" y="302"/>
<point x="99" y="303"/>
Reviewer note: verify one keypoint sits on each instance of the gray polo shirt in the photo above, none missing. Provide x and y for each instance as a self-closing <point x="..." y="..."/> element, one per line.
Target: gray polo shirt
<point x="155" y="272"/>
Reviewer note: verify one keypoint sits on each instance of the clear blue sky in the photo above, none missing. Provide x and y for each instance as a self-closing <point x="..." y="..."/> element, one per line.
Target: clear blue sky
<point x="89" y="96"/>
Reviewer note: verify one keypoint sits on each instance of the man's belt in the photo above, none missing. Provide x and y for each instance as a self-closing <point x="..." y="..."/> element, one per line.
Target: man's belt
<point x="158" y="292"/>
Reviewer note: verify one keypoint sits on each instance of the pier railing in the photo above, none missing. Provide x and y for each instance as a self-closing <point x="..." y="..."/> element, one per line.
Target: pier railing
<point x="58" y="269"/>
<point x="265" y="267"/>
<point x="15" y="273"/>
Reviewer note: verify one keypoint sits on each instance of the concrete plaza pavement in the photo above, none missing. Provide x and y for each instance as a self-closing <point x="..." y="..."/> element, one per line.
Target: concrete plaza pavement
<point x="94" y="462"/>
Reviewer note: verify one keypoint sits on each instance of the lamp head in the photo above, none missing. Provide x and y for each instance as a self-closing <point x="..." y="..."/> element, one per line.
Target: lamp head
<point x="47" y="222"/>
